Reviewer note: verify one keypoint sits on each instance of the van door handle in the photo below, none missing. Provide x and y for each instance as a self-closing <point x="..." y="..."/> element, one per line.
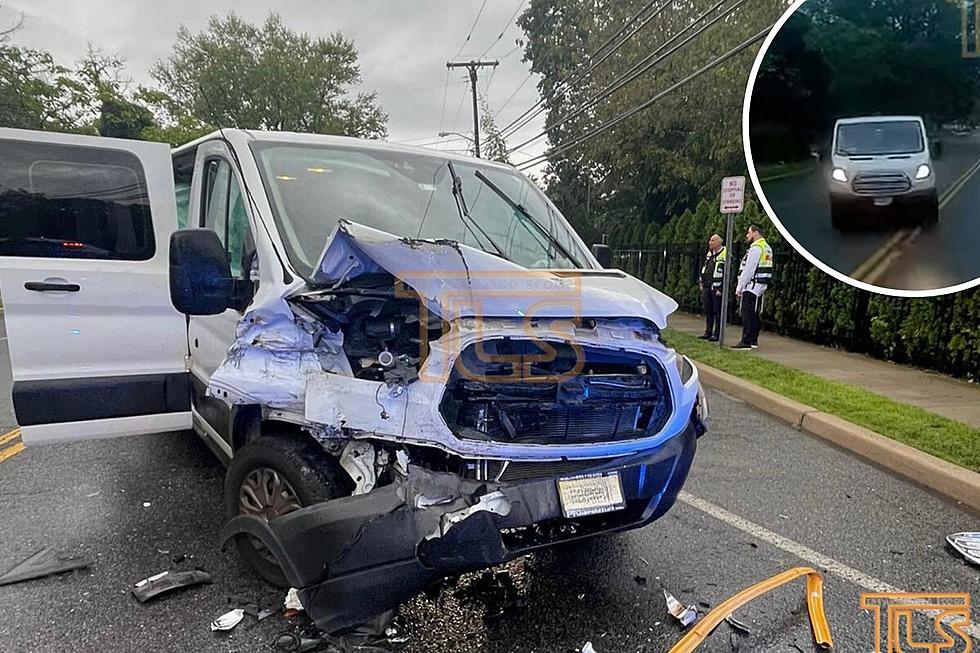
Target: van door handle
<point x="45" y="286"/>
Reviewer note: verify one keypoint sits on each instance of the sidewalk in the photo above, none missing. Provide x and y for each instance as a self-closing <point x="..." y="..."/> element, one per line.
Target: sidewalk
<point x="943" y="395"/>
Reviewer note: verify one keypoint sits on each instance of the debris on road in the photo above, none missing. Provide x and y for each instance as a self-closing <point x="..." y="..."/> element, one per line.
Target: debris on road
<point x="814" y="600"/>
<point x="496" y="591"/>
<point x="685" y="615"/>
<point x="292" y="601"/>
<point x="738" y="626"/>
<point x="228" y="620"/>
<point x="967" y="544"/>
<point x="45" y="562"/>
<point x="166" y="581"/>
<point x="146" y="504"/>
<point x="640" y="580"/>
<point x="588" y="648"/>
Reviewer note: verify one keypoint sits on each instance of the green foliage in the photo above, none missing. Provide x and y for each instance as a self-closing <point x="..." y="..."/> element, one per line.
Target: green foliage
<point x="948" y="439"/>
<point x="662" y="160"/>
<point x="264" y="77"/>
<point x="492" y="144"/>
<point x="837" y="58"/>
<point x="237" y="74"/>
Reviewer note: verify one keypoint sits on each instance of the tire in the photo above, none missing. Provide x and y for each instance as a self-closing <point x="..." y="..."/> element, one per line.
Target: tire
<point x="298" y="472"/>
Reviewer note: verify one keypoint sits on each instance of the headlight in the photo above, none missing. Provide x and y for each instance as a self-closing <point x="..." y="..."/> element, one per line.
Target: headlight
<point x="923" y="171"/>
<point x="839" y="175"/>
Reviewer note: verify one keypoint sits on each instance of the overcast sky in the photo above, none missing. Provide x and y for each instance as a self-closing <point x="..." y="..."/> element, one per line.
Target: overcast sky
<point x="403" y="47"/>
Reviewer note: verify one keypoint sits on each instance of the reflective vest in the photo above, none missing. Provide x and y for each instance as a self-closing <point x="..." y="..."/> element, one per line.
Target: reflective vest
<point x="718" y="274"/>
<point x="763" y="273"/>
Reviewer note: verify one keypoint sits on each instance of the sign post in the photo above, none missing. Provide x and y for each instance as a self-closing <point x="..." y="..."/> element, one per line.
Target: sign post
<point x="732" y="202"/>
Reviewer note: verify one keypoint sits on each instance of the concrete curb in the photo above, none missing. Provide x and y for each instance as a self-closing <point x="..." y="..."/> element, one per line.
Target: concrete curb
<point x="943" y="477"/>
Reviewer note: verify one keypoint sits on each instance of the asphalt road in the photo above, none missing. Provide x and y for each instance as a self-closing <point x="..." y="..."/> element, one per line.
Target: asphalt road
<point x="762" y="497"/>
<point x="935" y="258"/>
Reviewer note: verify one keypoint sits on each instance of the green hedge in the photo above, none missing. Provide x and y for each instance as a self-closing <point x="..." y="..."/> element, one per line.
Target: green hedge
<point x="940" y="333"/>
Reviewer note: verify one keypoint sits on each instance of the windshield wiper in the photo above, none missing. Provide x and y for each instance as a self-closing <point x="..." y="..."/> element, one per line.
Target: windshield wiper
<point x="519" y="208"/>
<point x="464" y="212"/>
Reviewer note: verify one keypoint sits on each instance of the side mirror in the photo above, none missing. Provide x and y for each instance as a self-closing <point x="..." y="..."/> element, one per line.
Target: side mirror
<point x="200" y="275"/>
<point x="603" y="254"/>
<point x="936" y="148"/>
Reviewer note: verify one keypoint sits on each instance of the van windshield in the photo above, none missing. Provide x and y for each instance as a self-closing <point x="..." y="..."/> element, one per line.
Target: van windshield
<point x="311" y="187"/>
<point x="878" y="138"/>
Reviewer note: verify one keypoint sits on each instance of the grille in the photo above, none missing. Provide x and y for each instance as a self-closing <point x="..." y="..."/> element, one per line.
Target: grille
<point x="882" y="183"/>
<point x="612" y="395"/>
<point x="523" y="471"/>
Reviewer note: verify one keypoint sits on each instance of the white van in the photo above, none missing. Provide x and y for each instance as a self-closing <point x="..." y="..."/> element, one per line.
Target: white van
<point x="410" y="362"/>
<point x="881" y="167"/>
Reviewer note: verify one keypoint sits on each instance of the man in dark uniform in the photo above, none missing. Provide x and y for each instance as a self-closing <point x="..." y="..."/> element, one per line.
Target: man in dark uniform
<point x="710" y="283"/>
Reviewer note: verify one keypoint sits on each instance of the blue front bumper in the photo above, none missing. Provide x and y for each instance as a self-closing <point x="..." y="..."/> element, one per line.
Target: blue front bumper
<point x="385" y="546"/>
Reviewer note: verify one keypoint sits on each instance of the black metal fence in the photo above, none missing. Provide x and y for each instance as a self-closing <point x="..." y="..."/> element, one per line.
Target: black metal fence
<point x="802" y="302"/>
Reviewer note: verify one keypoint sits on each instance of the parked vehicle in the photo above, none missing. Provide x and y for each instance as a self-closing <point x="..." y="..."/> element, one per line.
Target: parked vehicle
<point x="881" y="168"/>
<point x="409" y="361"/>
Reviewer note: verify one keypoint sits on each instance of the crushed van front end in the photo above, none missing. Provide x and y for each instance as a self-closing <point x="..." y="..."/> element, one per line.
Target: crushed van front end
<point x="476" y="425"/>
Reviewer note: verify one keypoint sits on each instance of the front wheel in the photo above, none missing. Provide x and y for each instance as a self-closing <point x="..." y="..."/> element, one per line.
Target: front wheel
<point x="272" y="476"/>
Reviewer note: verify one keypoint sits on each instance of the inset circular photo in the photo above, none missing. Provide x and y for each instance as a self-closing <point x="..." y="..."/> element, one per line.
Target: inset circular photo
<point x="861" y="135"/>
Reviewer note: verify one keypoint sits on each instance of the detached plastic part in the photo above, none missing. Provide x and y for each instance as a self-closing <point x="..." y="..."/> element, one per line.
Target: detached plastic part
<point x="814" y="600"/>
<point x="45" y="562"/>
<point x="967" y="545"/>
<point x="166" y="581"/>
<point x="685" y="615"/>
<point x="228" y="620"/>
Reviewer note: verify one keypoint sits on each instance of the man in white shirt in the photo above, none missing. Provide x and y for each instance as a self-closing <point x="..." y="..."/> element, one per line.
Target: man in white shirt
<point x="754" y="277"/>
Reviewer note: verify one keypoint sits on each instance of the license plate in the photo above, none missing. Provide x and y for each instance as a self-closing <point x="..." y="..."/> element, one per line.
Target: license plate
<point x="590" y="494"/>
<point x="883" y="201"/>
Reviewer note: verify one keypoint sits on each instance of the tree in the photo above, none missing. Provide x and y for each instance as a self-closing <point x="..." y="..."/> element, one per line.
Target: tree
<point x="269" y="77"/>
<point x="492" y="144"/>
<point x="662" y="160"/>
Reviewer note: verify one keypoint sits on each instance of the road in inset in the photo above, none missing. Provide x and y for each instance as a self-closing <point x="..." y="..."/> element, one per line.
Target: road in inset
<point x="935" y="258"/>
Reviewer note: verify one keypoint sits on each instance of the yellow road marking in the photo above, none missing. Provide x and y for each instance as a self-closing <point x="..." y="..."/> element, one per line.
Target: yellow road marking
<point x="11" y="451"/>
<point x="7" y="437"/>
<point x="874" y="267"/>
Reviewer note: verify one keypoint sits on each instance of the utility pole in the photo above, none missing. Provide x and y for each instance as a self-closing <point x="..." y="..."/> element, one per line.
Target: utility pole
<point x="472" y="66"/>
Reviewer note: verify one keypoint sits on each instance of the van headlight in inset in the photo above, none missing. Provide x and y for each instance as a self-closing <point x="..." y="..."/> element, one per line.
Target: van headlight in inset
<point x="839" y="174"/>
<point x="923" y="171"/>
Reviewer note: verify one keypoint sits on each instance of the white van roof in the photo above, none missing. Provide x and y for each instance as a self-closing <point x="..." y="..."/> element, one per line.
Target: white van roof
<point x="245" y="135"/>
<point x="851" y="121"/>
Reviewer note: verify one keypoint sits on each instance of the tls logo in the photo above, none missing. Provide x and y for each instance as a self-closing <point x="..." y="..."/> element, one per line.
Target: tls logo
<point x="947" y="615"/>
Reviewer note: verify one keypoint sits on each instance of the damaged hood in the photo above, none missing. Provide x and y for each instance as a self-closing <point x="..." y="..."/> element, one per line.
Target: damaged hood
<point x="457" y="281"/>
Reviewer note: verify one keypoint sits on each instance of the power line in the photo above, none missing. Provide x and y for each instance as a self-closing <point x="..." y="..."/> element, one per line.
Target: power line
<point x="507" y="25"/>
<point x="563" y="147"/>
<point x="571" y="83"/>
<point x="445" y="92"/>
<point x="472" y="28"/>
<point x="639" y="68"/>
<point x="513" y="95"/>
<point x="561" y="85"/>
<point x="459" y="108"/>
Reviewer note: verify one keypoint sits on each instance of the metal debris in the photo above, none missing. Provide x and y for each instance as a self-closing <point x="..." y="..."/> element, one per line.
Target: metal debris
<point x="685" y="615"/>
<point x="967" y="544"/>
<point x="45" y="562"/>
<point x="814" y="600"/>
<point x="738" y="626"/>
<point x="166" y="581"/>
<point x="228" y="620"/>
